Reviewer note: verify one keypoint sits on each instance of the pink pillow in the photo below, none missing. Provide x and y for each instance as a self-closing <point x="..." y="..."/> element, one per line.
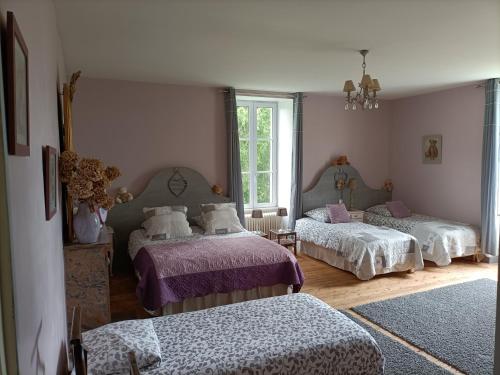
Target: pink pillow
<point x="338" y="213"/>
<point x="398" y="209"/>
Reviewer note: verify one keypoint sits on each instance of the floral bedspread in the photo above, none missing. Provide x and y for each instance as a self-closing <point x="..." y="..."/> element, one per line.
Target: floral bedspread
<point x="292" y="334"/>
<point x="440" y="240"/>
<point x="362" y="249"/>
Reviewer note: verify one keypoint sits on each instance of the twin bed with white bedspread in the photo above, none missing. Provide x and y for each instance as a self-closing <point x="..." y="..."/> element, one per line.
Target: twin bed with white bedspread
<point x="363" y="249"/>
<point x="440" y="240"/>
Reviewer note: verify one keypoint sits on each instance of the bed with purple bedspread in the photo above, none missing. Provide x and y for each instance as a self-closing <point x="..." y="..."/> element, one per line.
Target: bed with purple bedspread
<point x="171" y="271"/>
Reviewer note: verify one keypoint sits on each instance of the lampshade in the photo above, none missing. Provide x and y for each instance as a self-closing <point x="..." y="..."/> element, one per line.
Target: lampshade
<point x="353" y="184"/>
<point x="257" y="214"/>
<point x="366" y="81"/>
<point x="375" y="85"/>
<point x="282" y="212"/>
<point x="349" y="86"/>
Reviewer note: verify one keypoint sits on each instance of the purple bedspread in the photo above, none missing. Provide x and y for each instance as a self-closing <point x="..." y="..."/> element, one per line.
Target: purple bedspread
<point x="172" y="272"/>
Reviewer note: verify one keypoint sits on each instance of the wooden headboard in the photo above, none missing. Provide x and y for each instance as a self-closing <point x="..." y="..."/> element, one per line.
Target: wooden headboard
<point x="325" y="192"/>
<point x="170" y="187"/>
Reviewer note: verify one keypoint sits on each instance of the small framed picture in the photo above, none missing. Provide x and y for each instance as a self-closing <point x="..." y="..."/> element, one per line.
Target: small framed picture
<point x="18" y="125"/>
<point x="50" y="181"/>
<point x="432" y="149"/>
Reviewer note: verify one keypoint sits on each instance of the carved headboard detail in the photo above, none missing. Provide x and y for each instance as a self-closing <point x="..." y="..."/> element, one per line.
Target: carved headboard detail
<point x="169" y="187"/>
<point x="325" y="191"/>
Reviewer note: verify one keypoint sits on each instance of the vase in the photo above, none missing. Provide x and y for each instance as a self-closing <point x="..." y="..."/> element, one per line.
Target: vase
<point x="86" y="224"/>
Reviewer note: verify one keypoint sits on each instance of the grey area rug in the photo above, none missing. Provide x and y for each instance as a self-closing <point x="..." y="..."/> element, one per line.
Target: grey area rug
<point x="398" y="358"/>
<point x="455" y="323"/>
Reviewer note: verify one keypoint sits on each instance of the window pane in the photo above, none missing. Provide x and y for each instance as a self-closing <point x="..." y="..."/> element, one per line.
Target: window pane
<point x="244" y="155"/>
<point x="263" y="187"/>
<point x="246" y="187"/>
<point x="242" y="113"/>
<point x="264" y="122"/>
<point x="263" y="156"/>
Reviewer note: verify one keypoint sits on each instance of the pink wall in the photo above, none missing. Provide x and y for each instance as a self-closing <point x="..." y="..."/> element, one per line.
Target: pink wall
<point x="451" y="189"/>
<point x="143" y="127"/>
<point x="37" y="257"/>
<point x="330" y="131"/>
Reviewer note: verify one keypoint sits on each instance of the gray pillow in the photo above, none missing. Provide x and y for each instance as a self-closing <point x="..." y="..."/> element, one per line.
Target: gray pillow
<point x="380" y="209"/>
<point x="319" y="214"/>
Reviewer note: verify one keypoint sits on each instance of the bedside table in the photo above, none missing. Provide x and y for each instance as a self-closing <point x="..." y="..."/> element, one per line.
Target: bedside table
<point x="357" y="215"/>
<point x="87" y="271"/>
<point x="259" y="233"/>
<point x="284" y="237"/>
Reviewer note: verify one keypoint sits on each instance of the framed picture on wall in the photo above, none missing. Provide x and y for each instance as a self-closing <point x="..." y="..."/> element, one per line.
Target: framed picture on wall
<point x="18" y="127"/>
<point x="432" y="149"/>
<point x="50" y="181"/>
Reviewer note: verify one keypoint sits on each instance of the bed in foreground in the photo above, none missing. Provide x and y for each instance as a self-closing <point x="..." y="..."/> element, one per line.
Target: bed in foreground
<point x="292" y="334"/>
<point x="440" y="240"/>
<point x="363" y="249"/>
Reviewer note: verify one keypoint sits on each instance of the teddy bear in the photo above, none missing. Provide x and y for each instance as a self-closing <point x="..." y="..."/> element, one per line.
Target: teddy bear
<point x="341" y="160"/>
<point x="388" y="186"/>
<point x="123" y="195"/>
<point x="432" y="152"/>
<point x="216" y="189"/>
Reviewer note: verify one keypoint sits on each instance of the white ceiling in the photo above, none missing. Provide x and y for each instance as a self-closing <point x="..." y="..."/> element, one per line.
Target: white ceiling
<point x="415" y="46"/>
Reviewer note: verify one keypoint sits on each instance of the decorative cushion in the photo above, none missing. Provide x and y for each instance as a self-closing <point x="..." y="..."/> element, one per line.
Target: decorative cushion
<point x="319" y="214"/>
<point x="221" y="221"/>
<point x="380" y="209"/>
<point x="171" y="225"/>
<point x="108" y="346"/>
<point x="338" y="213"/>
<point x="398" y="209"/>
<point x="207" y="207"/>
<point x="154" y="211"/>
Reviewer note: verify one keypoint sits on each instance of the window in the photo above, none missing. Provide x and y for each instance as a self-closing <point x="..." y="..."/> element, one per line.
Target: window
<point x="257" y="126"/>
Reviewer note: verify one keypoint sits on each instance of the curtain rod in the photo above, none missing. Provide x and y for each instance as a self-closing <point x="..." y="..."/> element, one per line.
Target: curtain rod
<point x="265" y="94"/>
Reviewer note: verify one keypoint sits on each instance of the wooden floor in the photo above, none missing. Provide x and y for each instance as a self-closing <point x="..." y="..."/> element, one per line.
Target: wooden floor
<point x="339" y="289"/>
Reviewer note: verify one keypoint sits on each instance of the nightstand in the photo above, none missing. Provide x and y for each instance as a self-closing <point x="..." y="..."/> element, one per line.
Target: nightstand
<point x="87" y="270"/>
<point x="357" y="215"/>
<point x="284" y="237"/>
<point x="259" y="233"/>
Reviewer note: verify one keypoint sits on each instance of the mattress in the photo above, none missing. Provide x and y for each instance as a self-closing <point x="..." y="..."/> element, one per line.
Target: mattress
<point x="363" y="249"/>
<point x="440" y="240"/>
<point x="293" y="334"/>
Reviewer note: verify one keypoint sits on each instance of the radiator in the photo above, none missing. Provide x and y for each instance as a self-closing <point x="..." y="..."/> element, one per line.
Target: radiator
<point x="265" y="224"/>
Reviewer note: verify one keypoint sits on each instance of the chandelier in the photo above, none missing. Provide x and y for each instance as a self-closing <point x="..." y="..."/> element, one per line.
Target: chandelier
<point x="366" y="97"/>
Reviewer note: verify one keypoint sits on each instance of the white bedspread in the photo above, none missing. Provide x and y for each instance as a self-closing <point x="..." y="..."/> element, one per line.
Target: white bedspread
<point x="362" y="249"/>
<point x="440" y="240"/>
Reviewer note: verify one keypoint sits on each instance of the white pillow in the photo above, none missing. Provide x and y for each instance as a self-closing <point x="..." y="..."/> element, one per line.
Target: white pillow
<point x="207" y="207"/>
<point x="163" y="210"/>
<point x="108" y="346"/>
<point x="163" y="227"/>
<point x="221" y="221"/>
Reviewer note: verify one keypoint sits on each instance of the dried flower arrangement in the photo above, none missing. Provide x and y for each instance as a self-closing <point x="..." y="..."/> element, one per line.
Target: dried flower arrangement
<point x="87" y="179"/>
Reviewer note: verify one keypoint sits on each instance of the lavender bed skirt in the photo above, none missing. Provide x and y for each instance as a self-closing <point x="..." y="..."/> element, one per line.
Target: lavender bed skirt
<point x="175" y="271"/>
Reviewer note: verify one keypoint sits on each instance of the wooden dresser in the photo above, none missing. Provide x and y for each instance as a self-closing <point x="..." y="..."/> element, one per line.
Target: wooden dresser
<point x="87" y="271"/>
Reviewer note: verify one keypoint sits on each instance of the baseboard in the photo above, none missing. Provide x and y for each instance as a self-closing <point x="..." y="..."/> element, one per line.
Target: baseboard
<point x="489" y="259"/>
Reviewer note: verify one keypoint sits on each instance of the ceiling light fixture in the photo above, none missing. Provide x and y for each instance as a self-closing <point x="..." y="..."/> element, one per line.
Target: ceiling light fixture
<point x="366" y="97"/>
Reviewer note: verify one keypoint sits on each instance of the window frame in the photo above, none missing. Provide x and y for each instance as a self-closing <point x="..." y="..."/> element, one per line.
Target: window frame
<point x="253" y="105"/>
